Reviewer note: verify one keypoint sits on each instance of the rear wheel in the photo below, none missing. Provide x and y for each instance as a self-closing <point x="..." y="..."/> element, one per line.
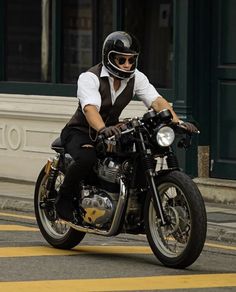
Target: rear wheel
<point x="179" y="243"/>
<point x="55" y="231"/>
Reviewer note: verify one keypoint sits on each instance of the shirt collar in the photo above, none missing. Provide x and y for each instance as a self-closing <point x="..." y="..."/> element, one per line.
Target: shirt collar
<point x="104" y="72"/>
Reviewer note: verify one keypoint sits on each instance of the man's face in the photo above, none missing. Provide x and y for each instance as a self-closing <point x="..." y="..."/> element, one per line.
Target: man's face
<point x="125" y="62"/>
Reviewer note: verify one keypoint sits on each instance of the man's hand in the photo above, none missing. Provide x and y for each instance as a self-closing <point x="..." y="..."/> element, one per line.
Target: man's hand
<point x="189" y="127"/>
<point x="110" y="131"/>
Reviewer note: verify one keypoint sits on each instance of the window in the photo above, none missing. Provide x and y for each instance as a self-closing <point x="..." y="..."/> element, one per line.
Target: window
<point x="27" y="40"/>
<point x="104" y="25"/>
<point x="77" y="38"/>
<point x="46" y="44"/>
<point x="152" y="23"/>
<point x="85" y="25"/>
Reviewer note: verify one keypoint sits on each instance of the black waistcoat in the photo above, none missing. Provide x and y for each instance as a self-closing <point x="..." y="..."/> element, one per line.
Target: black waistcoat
<point x="110" y="113"/>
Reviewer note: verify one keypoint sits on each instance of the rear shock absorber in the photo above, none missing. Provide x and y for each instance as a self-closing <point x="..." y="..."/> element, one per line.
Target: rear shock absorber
<point x="52" y="169"/>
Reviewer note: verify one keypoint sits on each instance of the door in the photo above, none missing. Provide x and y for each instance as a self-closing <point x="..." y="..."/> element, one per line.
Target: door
<point x="223" y="90"/>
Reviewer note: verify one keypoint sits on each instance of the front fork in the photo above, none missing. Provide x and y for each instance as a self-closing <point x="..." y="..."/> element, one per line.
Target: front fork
<point x="149" y="166"/>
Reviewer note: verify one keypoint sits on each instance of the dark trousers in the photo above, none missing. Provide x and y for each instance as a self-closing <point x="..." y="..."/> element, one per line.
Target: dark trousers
<point x="84" y="160"/>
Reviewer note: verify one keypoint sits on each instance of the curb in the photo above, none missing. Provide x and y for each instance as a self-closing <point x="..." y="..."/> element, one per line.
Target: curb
<point x="221" y="234"/>
<point x="217" y="190"/>
<point x="16" y="204"/>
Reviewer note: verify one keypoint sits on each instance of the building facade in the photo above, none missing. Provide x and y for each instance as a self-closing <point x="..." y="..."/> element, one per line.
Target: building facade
<point x="188" y="53"/>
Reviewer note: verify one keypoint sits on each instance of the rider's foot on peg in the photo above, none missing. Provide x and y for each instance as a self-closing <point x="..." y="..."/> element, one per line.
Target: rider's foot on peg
<point x="65" y="209"/>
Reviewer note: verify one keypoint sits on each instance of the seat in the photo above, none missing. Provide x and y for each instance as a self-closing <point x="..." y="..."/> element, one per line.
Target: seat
<point x="57" y="146"/>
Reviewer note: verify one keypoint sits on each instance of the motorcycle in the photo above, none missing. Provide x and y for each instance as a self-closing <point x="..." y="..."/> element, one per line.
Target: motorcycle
<point x="131" y="194"/>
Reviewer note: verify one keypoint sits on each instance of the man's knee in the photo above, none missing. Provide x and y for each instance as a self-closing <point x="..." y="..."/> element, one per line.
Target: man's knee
<point x="87" y="156"/>
<point x="87" y="146"/>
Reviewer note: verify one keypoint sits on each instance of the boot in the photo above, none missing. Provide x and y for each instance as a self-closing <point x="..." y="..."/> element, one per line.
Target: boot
<point x="64" y="207"/>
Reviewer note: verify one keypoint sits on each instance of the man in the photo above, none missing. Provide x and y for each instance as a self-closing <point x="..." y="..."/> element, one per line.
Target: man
<point x="103" y="92"/>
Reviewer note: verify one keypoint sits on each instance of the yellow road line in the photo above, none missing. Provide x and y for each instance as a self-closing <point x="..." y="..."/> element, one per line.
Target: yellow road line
<point x="35" y="251"/>
<point x="49" y="251"/>
<point x="16" y="216"/>
<point x="124" y="284"/>
<point x="220" y="246"/>
<point x="206" y="244"/>
<point x="17" y="228"/>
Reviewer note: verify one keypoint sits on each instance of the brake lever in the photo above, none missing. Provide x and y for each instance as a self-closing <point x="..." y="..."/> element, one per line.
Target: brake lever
<point x="122" y="133"/>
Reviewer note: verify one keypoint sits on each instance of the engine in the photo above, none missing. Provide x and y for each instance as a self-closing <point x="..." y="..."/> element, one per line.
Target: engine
<point x="99" y="205"/>
<point x="109" y="170"/>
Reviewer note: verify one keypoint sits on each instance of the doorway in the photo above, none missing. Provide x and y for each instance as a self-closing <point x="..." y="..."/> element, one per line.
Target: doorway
<point x="223" y="90"/>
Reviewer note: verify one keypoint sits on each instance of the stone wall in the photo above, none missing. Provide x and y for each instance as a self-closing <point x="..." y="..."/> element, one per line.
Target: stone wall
<point x="29" y="124"/>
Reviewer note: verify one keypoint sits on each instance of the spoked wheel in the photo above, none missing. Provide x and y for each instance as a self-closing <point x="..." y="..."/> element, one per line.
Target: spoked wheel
<point x="54" y="230"/>
<point x="179" y="243"/>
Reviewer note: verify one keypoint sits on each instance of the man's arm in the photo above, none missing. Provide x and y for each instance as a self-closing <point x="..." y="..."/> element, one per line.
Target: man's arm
<point x="161" y="103"/>
<point x="96" y="122"/>
<point x="93" y="117"/>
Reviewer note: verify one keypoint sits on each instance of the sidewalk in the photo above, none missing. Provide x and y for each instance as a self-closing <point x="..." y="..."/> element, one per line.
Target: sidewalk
<point x="221" y="217"/>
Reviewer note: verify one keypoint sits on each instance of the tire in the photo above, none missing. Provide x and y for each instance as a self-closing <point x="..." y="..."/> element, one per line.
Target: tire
<point x="55" y="231"/>
<point x="179" y="244"/>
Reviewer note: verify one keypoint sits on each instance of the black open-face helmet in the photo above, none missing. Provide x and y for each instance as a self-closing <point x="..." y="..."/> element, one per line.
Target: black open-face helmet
<point x="121" y="43"/>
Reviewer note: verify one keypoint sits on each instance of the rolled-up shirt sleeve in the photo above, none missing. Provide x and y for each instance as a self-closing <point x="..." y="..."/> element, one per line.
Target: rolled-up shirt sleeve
<point x="144" y="90"/>
<point x="88" y="90"/>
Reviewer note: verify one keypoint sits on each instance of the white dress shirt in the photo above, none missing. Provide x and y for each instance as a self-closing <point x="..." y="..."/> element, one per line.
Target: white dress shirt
<point x="88" y="88"/>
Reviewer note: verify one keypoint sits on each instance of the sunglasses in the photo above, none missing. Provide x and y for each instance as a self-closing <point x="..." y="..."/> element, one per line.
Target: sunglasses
<point x="122" y="60"/>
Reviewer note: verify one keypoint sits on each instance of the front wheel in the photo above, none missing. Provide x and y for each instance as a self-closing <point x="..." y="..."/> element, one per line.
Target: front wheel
<point x="179" y="243"/>
<point x="55" y="231"/>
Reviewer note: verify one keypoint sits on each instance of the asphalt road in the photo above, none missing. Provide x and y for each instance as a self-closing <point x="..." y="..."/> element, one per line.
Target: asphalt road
<point x="122" y="263"/>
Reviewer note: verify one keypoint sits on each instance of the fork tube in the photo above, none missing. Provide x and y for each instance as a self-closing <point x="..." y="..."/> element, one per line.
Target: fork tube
<point x="149" y="166"/>
<point x="157" y="200"/>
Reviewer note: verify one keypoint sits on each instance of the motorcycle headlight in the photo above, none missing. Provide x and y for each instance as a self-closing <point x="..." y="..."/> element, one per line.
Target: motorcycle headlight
<point x="165" y="136"/>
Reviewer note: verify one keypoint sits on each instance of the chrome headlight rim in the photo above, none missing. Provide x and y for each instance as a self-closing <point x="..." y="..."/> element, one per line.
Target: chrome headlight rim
<point x="165" y="136"/>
